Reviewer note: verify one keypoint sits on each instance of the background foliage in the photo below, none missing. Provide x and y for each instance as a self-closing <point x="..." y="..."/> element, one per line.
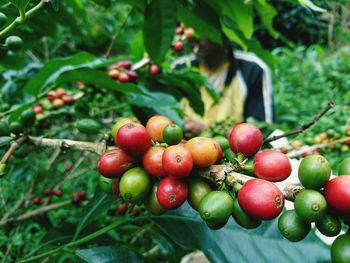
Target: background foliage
<point x="69" y="41"/>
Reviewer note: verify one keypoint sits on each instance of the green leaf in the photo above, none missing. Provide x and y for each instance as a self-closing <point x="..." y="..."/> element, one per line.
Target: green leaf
<point x="309" y="4"/>
<point x="109" y="255"/>
<point x="105" y="3"/>
<point x="98" y="78"/>
<point x="97" y="205"/>
<point x="159" y="102"/>
<point x="137" y="48"/>
<point x="248" y="44"/>
<point x="235" y="244"/>
<point x="53" y="69"/>
<point x="202" y="19"/>
<point x="5" y="140"/>
<point x="267" y="13"/>
<point x="55" y="4"/>
<point x="159" y="27"/>
<point x="239" y="12"/>
<point x="20" y="4"/>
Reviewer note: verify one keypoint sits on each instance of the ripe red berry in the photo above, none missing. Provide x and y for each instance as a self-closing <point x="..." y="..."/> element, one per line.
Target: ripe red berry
<point x="154" y="69"/>
<point x="179" y="30"/>
<point x="133" y="138"/>
<point x="261" y="199"/>
<point x="172" y="192"/>
<point x="122" y="208"/>
<point x="48" y="192"/>
<point x="79" y="83"/>
<point x="218" y="147"/>
<point x="68" y="100"/>
<point x="132" y="76"/>
<point x="152" y="161"/>
<point x="124" y="64"/>
<point x="113" y="163"/>
<point x="178" y="46"/>
<point x="337" y="195"/>
<point x="51" y="95"/>
<point x="60" y="92"/>
<point x="123" y="77"/>
<point x="177" y="161"/>
<point x="57" y="192"/>
<point x="82" y="195"/>
<point x="75" y="198"/>
<point x="272" y="166"/>
<point x="37" y="109"/>
<point x="68" y="168"/>
<point x="58" y="103"/>
<point x="245" y="139"/>
<point x="115" y="187"/>
<point x="37" y="200"/>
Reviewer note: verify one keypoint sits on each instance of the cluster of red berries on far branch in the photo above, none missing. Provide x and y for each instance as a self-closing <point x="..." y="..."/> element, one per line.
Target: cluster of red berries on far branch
<point x="122" y="72"/>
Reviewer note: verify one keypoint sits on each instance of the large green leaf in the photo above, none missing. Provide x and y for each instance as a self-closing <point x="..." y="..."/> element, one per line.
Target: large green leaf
<point x="159" y="28"/>
<point x="53" y="69"/>
<point x="230" y="29"/>
<point x="235" y="244"/>
<point x="239" y="12"/>
<point x="202" y="18"/>
<point x="160" y="103"/>
<point x="109" y="255"/>
<point x="267" y="13"/>
<point x="98" y="78"/>
<point x="97" y="205"/>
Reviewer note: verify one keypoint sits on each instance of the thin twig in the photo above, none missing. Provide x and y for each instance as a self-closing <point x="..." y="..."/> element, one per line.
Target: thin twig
<point x="10" y="246"/>
<point x="12" y="148"/>
<point x="18" y="204"/>
<point x="304" y="127"/>
<point x="217" y="173"/>
<point x="19" y="20"/>
<point x="39" y="211"/>
<point x="114" y="37"/>
<point x="301" y="151"/>
<point x="98" y="148"/>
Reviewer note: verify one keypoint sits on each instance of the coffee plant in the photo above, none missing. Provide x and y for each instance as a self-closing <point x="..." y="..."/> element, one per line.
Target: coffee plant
<point x="95" y="161"/>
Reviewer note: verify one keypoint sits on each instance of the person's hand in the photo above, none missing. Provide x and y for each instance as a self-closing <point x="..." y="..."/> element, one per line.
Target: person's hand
<point x="193" y="128"/>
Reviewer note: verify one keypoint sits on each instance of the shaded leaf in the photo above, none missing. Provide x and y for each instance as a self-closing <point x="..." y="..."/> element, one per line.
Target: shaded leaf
<point x="96" y="206"/>
<point x="202" y="18"/>
<point x="159" y="27"/>
<point x="235" y="244"/>
<point x="109" y="255"/>
<point x="98" y="78"/>
<point x="55" y="4"/>
<point x="53" y="69"/>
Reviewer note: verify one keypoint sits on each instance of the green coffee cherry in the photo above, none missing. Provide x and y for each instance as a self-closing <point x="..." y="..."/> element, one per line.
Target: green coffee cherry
<point x="14" y="43"/>
<point x="3" y="20"/>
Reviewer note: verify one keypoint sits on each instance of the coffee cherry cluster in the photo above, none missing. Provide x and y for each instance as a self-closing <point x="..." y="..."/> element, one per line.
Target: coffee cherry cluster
<point x="182" y="33"/>
<point x="157" y="154"/>
<point x="155" y="166"/>
<point x="13" y="43"/>
<point x="122" y="72"/>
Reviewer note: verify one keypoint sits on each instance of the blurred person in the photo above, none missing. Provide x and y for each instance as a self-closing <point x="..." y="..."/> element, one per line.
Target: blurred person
<point x="242" y="80"/>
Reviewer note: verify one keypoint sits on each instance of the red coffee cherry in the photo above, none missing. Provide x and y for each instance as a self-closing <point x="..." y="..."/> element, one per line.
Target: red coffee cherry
<point x="68" y="100"/>
<point x="113" y="163"/>
<point x="261" y="199"/>
<point x="246" y="139"/>
<point x="177" y="161"/>
<point x="337" y="195"/>
<point x="172" y="192"/>
<point x="133" y="138"/>
<point x="37" y="200"/>
<point x="152" y="161"/>
<point x="178" y="46"/>
<point x="272" y="166"/>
